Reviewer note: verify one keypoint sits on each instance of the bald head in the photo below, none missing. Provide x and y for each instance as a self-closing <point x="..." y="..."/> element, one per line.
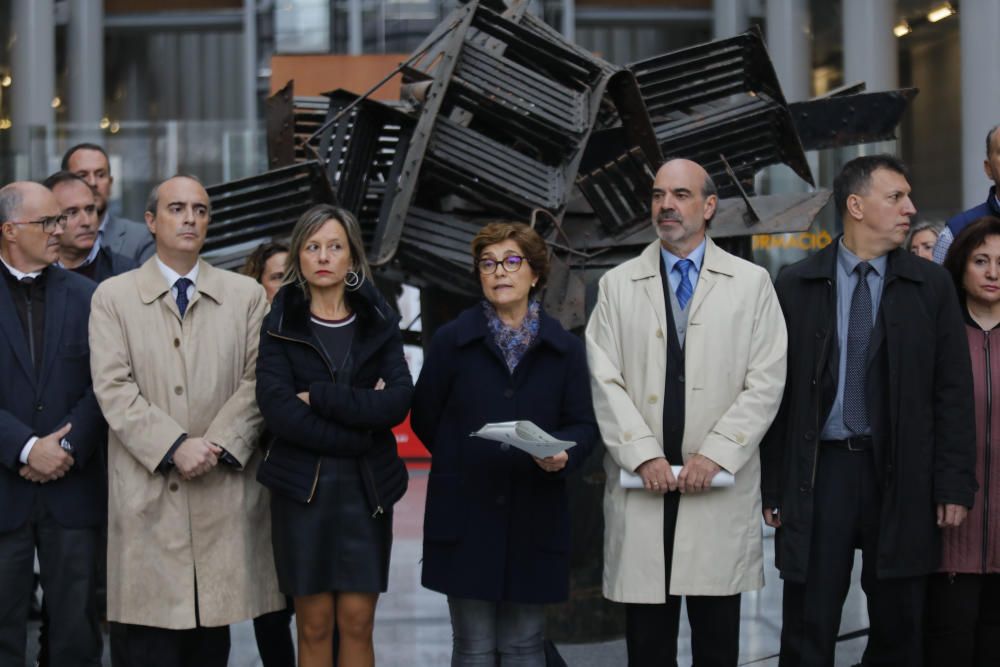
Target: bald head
<point x="684" y="203"/>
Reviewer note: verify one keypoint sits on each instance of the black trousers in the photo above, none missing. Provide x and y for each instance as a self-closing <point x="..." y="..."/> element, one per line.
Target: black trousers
<point x="144" y="646"/>
<point x="67" y="559"/>
<point x="274" y="638"/>
<point x="846" y="517"/>
<point x="962" y="625"/>
<point x="651" y="631"/>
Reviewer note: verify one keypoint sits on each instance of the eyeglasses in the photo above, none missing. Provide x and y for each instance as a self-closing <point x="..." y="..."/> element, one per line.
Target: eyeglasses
<point x="511" y="263"/>
<point x="49" y="224"/>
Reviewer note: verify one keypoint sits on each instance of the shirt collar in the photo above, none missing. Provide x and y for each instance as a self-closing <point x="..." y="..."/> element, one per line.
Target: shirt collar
<point x="19" y="274"/>
<point x="848" y="260"/>
<point x="697" y="257"/>
<point x="171" y="276"/>
<point x="91" y="256"/>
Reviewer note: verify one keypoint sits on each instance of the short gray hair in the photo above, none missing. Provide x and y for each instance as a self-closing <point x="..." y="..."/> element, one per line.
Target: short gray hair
<point x="10" y="202"/>
<point x="153" y="200"/>
<point x="935" y="226"/>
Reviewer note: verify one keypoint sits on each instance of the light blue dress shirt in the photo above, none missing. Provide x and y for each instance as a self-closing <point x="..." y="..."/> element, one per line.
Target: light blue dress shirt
<point x="847" y="280"/>
<point x="697" y="256"/>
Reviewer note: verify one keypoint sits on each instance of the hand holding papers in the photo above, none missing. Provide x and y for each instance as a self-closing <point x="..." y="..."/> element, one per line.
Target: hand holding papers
<point x="629" y="480"/>
<point x="524" y="435"/>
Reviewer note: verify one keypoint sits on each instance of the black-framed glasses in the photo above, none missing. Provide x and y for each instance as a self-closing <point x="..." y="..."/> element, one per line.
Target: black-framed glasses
<point x="49" y="224"/>
<point x="511" y="263"/>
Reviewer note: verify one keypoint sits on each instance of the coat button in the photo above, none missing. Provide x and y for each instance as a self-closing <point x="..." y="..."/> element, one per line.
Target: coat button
<point x="626" y="436"/>
<point x="659" y="333"/>
<point x="177" y="342"/>
<point x="808" y="435"/>
<point x="39" y="407"/>
<point x="178" y="390"/>
<point x="508" y="393"/>
<point x="652" y="398"/>
<point x="174" y="486"/>
<point x="804" y="488"/>
<point x="680" y="378"/>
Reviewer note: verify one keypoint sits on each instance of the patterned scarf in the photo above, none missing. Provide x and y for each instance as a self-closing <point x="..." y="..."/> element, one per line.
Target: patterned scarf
<point x="513" y="341"/>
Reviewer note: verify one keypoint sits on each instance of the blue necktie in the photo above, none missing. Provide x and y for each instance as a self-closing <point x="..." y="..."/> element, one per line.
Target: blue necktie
<point x="859" y="333"/>
<point x="684" y="289"/>
<point x="182" y="285"/>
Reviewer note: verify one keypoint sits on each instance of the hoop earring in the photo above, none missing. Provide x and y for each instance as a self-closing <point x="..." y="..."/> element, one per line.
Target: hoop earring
<point x="353" y="280"/>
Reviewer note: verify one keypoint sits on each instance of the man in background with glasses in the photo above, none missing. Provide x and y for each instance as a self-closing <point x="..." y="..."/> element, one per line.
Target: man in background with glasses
<point x="51" y="429"/>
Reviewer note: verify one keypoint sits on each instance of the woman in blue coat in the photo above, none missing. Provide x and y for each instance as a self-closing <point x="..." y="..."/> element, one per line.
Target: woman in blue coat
<point x="497" y="526"/>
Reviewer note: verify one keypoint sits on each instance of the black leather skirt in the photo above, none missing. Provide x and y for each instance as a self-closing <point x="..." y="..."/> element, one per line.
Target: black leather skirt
<point x="332" y="544"/>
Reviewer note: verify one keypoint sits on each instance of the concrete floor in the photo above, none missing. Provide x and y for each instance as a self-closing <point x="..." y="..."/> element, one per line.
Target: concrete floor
<point x="412" y="627"/>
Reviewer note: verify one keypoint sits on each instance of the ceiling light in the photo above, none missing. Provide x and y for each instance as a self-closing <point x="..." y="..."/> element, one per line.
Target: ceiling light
<point x="105" y="123"/>
<point x="5" y="81"/>
<point x="56" y="102"/>
<point x="940" y="13"/>
<point x="901" y="29"/>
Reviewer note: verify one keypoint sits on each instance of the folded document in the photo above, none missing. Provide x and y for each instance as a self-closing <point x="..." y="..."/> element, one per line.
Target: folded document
<point x="524" y="435"/>
<point x="629" y="480"/>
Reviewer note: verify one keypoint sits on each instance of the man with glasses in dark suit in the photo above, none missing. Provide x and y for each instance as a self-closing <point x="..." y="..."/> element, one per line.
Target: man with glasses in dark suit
<point x="51" y="429"/>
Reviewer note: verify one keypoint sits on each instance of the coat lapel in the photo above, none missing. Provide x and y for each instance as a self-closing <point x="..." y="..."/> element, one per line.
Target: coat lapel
<point x="55" y="315"/>
<point x="716" y="263"/>
<point x="11" y="328"/>
<point x="647" y="271"/>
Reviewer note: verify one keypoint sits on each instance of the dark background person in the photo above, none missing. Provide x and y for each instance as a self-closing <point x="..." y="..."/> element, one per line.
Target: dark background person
<point x="922" y="237"/>
<point x="51" y="481"/>
<point x="991" y="167"/>
<point x="963" y="597"/>
<point x="80" y="247"/>
<point x="331" y="383"/>
<point x="873" y="446"/>
<point x="497" y="526"/>
<point x="121" y="235"/>
<point x="266" y="265"/>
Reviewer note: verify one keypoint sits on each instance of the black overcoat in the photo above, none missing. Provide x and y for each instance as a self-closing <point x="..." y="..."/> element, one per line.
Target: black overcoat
<point x="920" y="405"/>
<point x="497" y="527"/>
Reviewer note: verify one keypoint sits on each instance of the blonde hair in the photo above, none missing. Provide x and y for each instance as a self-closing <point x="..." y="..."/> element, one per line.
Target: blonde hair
<point x="307" y="225"/>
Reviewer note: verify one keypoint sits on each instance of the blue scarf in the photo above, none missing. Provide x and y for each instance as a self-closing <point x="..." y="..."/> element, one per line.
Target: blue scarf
<point x="513" y="341"/>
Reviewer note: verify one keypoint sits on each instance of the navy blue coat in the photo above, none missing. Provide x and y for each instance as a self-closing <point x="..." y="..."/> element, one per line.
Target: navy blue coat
<point x="38" y="405"/>
<point x="497" y="526"/>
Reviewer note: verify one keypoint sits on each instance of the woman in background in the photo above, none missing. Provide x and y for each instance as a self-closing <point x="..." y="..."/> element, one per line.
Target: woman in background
<point x="497" y="525"/>
<point x="266" y="265"/>
<point x="963" y="599"/>
<point x="922" y="238"/>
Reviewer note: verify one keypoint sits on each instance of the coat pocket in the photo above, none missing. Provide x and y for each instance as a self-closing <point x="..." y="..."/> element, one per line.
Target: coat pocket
<point x="445" y="518"/>
<point x="290" y="472"/>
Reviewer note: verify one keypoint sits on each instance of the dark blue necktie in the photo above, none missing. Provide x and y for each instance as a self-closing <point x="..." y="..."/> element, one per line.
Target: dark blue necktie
<point x="182" y="285"/>
<point x="684" y="289"/>
<point x="859" y="333"/>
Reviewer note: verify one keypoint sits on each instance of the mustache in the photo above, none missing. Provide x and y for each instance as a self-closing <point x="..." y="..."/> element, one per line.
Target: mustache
<point x="669" y="215"/>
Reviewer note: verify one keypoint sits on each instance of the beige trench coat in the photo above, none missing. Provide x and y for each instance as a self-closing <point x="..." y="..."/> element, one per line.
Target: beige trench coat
<point x="734" y="365"/>
<point x="157" y="378"/>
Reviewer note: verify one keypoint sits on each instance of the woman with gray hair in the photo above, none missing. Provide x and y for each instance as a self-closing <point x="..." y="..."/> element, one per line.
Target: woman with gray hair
<point x="331" y="384"/>
<point x="922" y="237"/>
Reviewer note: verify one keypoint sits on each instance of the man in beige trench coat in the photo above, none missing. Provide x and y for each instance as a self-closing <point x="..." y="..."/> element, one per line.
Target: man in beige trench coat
<point x="686" y="347"/>
<point x="173" y="355"/>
